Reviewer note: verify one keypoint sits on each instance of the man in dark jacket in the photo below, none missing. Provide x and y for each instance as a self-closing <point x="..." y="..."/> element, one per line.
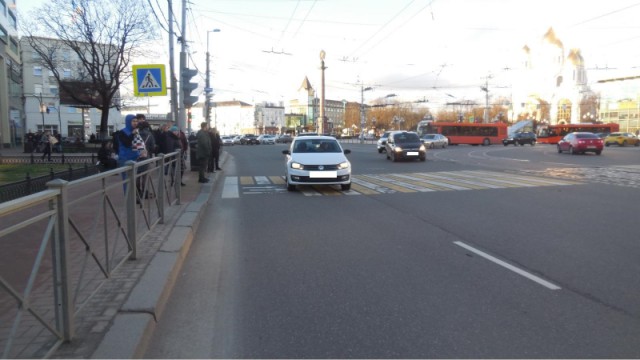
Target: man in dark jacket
<point x="216" y="144"/>
<point x="203" y="151"/>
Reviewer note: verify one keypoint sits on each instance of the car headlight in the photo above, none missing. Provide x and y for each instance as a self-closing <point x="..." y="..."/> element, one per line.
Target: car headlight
<point x="397" y="149"/>
<point x="343" y="165"/>
<point x="422" y="148"/>
<point x="295" y="165"/>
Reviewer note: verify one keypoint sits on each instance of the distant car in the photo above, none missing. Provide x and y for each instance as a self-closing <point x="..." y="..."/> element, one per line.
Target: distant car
<point x="308" y="134"/>
<point x="580" y="143"/>
<point x="432" y="141"/>
<point x="602" y="135"/>
<point x="621" y="139"/>
<point x="236" y="139"/>
<point x="266" y="139"/>
<point x="227" y="140"/>
<point x="405" y="145"/>
<point x="249" y="139"/>
<point x="382" y="141"/>
<point x="317" y="160"/>
<point x="284" y="139"/>
<point x="521" y="138"/>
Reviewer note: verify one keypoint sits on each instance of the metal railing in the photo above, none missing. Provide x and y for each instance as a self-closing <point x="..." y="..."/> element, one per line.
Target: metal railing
<point x="59" y="246"/>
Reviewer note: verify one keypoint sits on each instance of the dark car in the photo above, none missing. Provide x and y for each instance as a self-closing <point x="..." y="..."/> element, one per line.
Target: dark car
<point x="284" y="139"/>
<point x="405" y="145"/>
<point x="249" y="139"/>
<point x="521" y="138"/>
<point x="580" y="143"/>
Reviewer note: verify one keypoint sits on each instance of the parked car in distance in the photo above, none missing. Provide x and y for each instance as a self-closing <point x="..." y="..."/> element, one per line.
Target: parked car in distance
<point x="520" y="138"/>
<point x="227" y="140"/>
<point x="267" y="139"/>
<point x="236" y="139"/>
<point x="405" y="145"/>
<point x="382" y="141"/>
<point x="432" y="141"/>
<point x="284" y="139"/>
<point x="602" y="135"/>
<point x="317" y="160"/>
<point x="621" y="139"/>
<point x="580" y="143"/>
<point x="249" y="139"/>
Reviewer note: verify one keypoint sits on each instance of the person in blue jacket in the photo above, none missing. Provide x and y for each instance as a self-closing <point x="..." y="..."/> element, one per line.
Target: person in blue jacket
<point x="125" y="141"/>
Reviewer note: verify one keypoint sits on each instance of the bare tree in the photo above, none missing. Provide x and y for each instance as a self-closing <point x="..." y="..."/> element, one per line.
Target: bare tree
<point x="104" y="36"/>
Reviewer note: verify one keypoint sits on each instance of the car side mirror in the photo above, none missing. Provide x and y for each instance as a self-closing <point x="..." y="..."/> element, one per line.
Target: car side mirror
<point x="286" y="152"/>
<point x="346" y="151"/>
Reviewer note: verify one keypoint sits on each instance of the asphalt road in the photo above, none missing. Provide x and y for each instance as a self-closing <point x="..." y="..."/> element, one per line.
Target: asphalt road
<point x="479" y="252"/>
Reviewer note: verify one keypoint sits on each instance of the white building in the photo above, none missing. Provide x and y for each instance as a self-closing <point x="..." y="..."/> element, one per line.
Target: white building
<point x="552" y="77"/>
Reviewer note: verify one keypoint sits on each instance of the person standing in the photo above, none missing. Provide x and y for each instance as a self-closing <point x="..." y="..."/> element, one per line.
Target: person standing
<point x="203" y="151"/>
<point x="216" y="144"/>
<point x="46" y="145"/>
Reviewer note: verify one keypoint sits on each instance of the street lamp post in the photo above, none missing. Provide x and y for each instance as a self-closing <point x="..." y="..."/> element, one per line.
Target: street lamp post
<point x="208" y="89"/>
<point x="320" y="124"/>
<point x="362" y="115"/>
<point x="43" y="109"/>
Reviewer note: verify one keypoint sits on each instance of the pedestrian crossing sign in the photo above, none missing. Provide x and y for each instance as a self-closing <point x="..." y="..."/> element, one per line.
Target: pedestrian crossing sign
<point x="149" y="80"/>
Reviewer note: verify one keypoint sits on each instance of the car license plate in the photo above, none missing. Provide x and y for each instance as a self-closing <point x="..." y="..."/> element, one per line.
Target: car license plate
<point x="412" y="153"/>
<point x="323" y="174"/>
<point x="591" y="147"/>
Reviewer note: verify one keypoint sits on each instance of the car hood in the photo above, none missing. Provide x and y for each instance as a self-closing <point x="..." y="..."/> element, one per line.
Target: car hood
<point x="318" y="159"/>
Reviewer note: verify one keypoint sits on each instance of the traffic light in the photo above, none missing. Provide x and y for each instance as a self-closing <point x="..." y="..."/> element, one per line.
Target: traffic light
<point x="189" y="116"/>
<point x="188" y="87"/>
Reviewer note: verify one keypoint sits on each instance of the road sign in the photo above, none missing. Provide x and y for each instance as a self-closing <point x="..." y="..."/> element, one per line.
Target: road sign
<point x="149" y="80"/>
<point x="208" y="90"/>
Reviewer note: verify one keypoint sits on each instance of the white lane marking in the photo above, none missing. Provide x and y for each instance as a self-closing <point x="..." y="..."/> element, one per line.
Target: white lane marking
<point x="509" y="266"/>
<point x="230" y="189"/>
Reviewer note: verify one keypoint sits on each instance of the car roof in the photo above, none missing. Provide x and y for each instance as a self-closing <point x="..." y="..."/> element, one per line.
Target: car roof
<point x="316" y="137"/>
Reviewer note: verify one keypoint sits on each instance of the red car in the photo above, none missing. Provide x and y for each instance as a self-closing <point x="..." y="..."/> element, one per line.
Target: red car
<point x="580" y="143"/>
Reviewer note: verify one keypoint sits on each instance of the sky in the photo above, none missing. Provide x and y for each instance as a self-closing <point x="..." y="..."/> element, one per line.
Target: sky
<point x="431" y="51"/>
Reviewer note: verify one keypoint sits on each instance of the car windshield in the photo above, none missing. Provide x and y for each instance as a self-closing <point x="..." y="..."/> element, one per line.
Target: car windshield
<point x="429" y="137"/>
<point x="406" y="138"/>
<point x="316" y="146"/>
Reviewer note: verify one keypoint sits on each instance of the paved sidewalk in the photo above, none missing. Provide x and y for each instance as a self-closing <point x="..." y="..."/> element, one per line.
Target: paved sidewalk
<point x="120" y="316"/>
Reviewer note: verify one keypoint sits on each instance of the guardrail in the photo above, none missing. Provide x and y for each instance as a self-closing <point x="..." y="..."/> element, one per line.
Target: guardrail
<point x="59" y="246"/>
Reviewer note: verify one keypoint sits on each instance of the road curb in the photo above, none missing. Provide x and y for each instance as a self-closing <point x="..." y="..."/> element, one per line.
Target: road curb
<point x="134" y="324"/>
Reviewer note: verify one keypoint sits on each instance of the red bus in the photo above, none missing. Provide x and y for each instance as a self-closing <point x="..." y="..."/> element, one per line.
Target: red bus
<point x="470" y="133"/>
<point x="551" y="134"/>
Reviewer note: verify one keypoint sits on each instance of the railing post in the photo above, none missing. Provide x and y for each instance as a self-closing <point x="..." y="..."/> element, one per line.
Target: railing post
<point x="131" y="197"/>
<point x="178" y="183"/>
<point x="60" y="256"/>
<point x="160" y="191"/>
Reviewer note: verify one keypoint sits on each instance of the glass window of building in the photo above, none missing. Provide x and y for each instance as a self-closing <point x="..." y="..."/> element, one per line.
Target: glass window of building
<point x="37" y="71"/>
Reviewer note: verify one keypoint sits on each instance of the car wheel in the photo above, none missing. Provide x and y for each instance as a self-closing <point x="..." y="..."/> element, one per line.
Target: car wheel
<point x="598" y="152"/>
<point x="290" y="187"/>
<point x="431" y="146"/>
<point x="379" y="151"/>
<point x="345" y="187"/>
<point x="571" y="151"/>
<point x="533" y="143"/>
<point x="393" y="157"/>
<point x="423" y="158"/>
<point x="606" y="144"/>
<point x="505" y="144"/>
<point x="624" y="143"/>
<point x="388" y="156"/>
<point x="486" y="142"/>
<point x="559" y="149"/>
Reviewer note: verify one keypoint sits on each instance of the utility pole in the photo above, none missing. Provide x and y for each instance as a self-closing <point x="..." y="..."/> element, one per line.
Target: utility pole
<point x="362" y="115"/>
<point x="172" y="69"/>
<point x="182" y="121"/>
<point x="485" y="88"/>
<point x="320" y="124"/>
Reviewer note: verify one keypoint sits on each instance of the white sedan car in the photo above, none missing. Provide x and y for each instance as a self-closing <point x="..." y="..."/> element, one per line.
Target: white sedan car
<point x="435" y="141"/>
<point x="317" y="160"/>
<point x="227" y="140"/>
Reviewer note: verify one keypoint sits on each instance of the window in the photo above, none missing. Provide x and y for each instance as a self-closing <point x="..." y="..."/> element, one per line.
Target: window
<point x="53" y="90"/>
<point x="67" y="73"/>
<point x="37" y="88"/>
<point x="3" y="34"/>
<point x="12" y="20"/>
<point x="37" y="71"/>
<point x="3" y="7"/>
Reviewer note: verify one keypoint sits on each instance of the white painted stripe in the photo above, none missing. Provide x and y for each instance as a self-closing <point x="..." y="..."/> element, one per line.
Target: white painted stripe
<point x="230" y="189"/>
<point x="509" y="266"/>
<point x="262" y="180"/>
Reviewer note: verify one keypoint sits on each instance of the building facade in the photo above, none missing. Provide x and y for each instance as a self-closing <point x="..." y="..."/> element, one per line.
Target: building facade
<point x="43" y="110"/>
<point x="11" y="129"/>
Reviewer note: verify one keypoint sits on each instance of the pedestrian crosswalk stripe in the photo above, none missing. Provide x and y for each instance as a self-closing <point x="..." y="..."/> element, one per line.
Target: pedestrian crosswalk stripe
<point x="373" y="184"/>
